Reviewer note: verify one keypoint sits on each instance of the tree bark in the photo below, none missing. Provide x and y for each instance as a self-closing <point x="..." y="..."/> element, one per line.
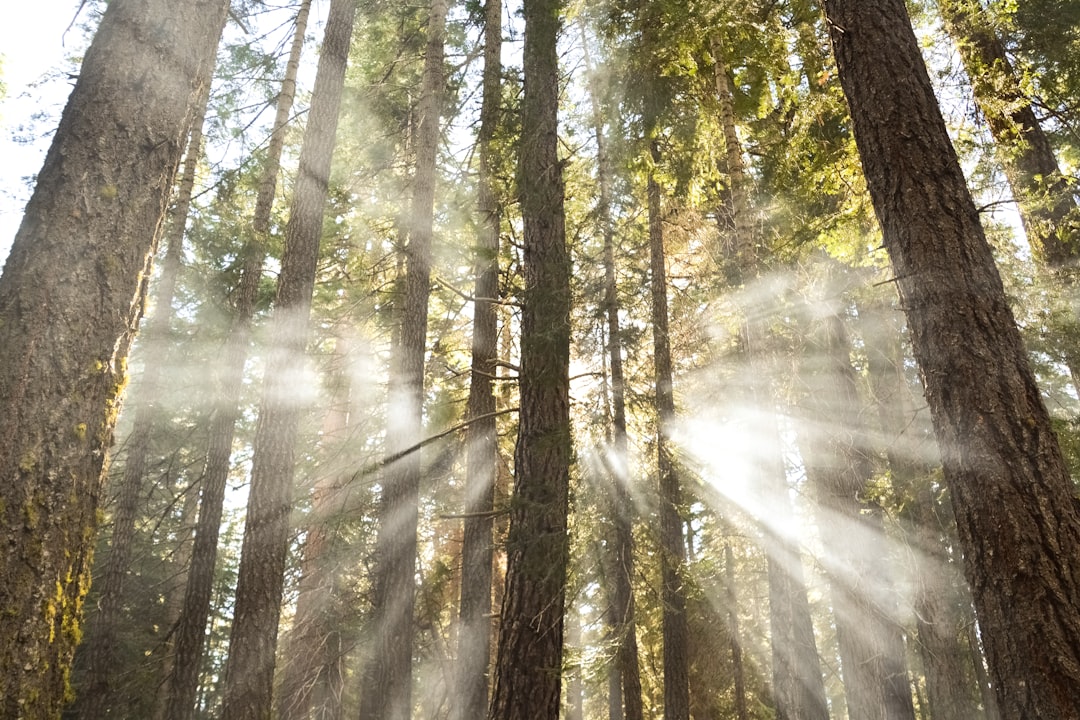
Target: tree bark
<point x="1017" y="520"/>
<point x="474" y="623"/>
<point x="249" y="671"/>
<point x="71" y="297"/>
<point x="387" y="683"/>
<point x="191" y="629"/>
<point x="742" y="709"/>
<point x="528" y="669"/>
<point x="97" y="696"/>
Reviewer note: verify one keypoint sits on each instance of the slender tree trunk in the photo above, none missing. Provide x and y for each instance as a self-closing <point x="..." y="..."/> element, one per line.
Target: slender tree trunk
<point x="836" y="452"/>
<point x="98" y="694"/>
<point x="249" y="671"/>
<point x="798" y="687"/>
<point x="672" y="543"/>
<point x="528" y="669"/>
<point x="1012" y="496"/>
<point x="474" y="628"/>
<point x="621" y="504"/>
<point x="71" y="297"/>
<point x="191" y="630"/>
<point x="312" y="675"/>
<point x="387" y="684"/>
<point x="940" y="589"/>
<point x="1047" y="205"/>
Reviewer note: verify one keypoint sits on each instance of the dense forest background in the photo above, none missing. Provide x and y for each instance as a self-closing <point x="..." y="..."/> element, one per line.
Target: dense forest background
<point x="317" y="498"/>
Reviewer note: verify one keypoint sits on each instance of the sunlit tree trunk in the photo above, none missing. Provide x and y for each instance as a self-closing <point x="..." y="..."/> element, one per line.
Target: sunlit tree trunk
<point x="1047" y="204"/>
<point x="798" y="687"/>
<point x="249" y="671"/>
<point x="71" y="296"/>
<point x="672" y="542"/>
<point x="191" y="629"/>
<point x="1017" y="520"/>
<point x="528" y="668"/>
<point x="96" y="695"/>
<point x="387" y="682"/>
<point x="474" y="628"/>
<point x="834" y="443"/>
<point x="742" y="709"/>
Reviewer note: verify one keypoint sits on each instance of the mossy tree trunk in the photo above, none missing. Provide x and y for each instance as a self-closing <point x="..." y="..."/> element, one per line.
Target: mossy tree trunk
<point x="71" y="297"/>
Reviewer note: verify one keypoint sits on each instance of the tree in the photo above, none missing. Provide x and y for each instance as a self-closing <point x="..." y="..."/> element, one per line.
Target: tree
<point x="528" y="669"/>
<point x="474" y="630"/>
<point x="249" y="672"/>
<point x="1018" y="523"/>
<point x="70" y="301"/>
<point x="191" y="628"/>
<point x="387" y="684"/>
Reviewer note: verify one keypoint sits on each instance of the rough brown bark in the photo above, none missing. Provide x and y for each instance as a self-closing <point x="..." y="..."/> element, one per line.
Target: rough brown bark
<point x="835" y="449"/>
<point x="249" y="671"/>
<point x="474" y="623"/>
<point x="191" y="630"/>
<point x="71" y="297"/>
<point x="97" y="695"/>
<point x="528" y="669"/>
<point x="1017" y="520"/>
<point x="672" y="542"/>
<point x="1047" y="205"/>
<point x="387" y="682"/>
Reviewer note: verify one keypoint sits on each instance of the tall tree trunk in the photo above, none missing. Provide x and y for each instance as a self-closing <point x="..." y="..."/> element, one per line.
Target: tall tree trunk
<point x="798" y="687"/>
<point x="249" y="671"/>
<point x="387" y="683"/>
<point x="474" y="627"/>
<point x="1017" y="520"/>
<point x="312" y="675"/>
<point x="71" y="296"/>
<point x="627" y="705"/>
<point x="97" y="695"/>
<point x="528" y="669"/>
<point x="672" y="543"/>
<point x="1047" y="204"/>
<point x="191" y="630"/>
<point x="939" y="589"/>
<point x="835" y="449"/>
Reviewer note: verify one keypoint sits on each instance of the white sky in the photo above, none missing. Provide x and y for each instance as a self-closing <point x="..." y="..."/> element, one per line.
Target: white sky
<point x="32" y="43"/>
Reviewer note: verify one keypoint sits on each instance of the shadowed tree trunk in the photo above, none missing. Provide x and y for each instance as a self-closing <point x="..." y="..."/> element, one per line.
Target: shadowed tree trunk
<point x="528" y="669"/>
<point x="71" y="296"/>
<point x="191" y="629"/>
<point x="1012" y="496"/>
<point x="672" y="542"/>
<point x="474" y="628"/>
<point x="98" y="694"/>
<point x="387" y="681"/>
<point x="249" y="671"/>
